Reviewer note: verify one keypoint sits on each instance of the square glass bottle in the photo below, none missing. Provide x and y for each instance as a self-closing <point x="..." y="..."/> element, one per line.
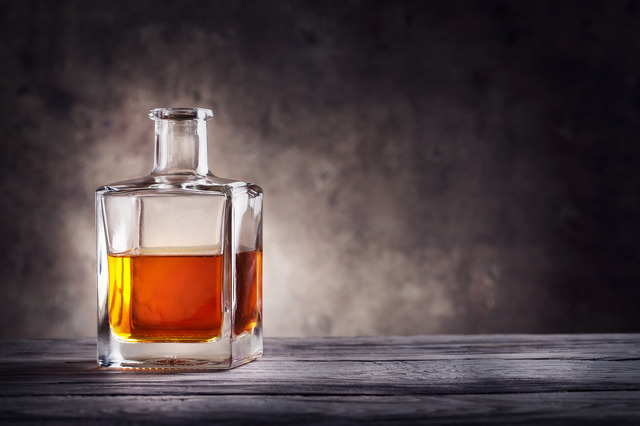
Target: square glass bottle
<point x="179" y="258"/>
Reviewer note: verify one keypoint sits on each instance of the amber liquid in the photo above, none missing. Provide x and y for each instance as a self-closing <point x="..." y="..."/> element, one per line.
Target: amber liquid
<point x="178" y="298"/>
<point x="248" y="291"/>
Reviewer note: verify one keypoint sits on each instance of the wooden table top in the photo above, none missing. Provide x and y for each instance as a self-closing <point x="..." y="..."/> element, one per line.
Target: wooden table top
<point x="476" y="379"/>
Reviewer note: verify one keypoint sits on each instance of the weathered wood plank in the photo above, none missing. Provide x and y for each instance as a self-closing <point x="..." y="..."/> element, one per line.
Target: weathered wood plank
<point x="539" y="408"/>
<point x="466" y="346"/>
<point x="580" y="346"/>
<point x="427" y="378"/>
<point x="416" y="365"/>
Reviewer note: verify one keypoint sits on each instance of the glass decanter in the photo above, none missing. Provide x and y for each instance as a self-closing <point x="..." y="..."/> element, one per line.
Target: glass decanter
<point x="179" y="258"/>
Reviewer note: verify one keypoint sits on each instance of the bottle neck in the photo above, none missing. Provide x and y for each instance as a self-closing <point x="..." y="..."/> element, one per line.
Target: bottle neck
<point x="180" y="147"/>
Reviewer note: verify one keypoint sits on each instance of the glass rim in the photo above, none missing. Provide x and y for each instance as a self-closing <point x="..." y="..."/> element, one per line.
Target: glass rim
<point x="180" y="114"/>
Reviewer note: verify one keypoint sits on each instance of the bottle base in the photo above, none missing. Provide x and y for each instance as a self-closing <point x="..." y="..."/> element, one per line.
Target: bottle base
<point x="177" y="363"/>
<point x="218" y="355"/>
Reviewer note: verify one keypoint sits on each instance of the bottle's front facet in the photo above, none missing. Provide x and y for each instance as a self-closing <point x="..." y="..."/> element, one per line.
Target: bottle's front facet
<point x="179" y="259"/>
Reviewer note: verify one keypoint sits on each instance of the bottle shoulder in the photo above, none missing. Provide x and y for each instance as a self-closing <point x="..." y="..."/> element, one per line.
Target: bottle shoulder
<point x="179" y="183"/>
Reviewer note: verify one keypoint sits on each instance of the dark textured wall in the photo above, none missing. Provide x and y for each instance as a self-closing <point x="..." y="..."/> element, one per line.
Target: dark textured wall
<point x="429" y="167"/>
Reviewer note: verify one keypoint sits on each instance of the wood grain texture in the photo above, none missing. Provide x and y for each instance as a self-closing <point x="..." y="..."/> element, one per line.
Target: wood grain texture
<point x="507" y="379"/>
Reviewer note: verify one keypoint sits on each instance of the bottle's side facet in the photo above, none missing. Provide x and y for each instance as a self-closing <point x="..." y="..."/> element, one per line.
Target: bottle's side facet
<point x="246" y="294"/>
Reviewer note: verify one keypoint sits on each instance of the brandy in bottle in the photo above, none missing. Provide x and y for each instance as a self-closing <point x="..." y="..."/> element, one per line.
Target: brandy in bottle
<point x="179" y="258"/>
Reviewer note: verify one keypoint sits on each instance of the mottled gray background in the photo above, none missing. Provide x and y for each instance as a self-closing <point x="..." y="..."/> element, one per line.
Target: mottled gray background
<point x="429" y="167"/>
